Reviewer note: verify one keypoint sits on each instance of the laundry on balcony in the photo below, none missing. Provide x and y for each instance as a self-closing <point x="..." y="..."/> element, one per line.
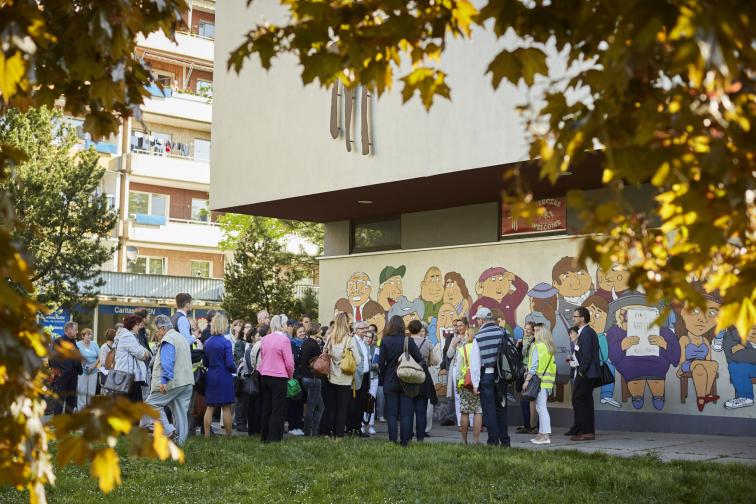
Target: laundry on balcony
<point x="152" y="220"/>
<point x="153" y="144"/>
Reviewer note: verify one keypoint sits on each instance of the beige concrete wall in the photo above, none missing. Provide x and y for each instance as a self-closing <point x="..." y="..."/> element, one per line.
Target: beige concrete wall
<point x="531" y="262"/>
<point x="451" y="226"/>
<point x="336" y="238"/>
<point x="269" y="131"/>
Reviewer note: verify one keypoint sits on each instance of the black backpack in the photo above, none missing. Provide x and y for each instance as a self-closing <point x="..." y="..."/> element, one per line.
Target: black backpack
<point x="509" y="367"/>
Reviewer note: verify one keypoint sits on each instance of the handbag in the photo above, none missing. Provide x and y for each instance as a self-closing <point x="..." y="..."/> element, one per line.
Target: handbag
<point x="117" y="382"/>
<point x="605" y="375"/>
<point x="200" y="382"/>
<point x="534" y="385"/>
<point x="468" y="384"/>
<point x="321" y="365"/>
<point x="348" y="363"/>
<point x="251" y="385"/>
<point x="293" y="389"/>
<point x="408" y="370"/>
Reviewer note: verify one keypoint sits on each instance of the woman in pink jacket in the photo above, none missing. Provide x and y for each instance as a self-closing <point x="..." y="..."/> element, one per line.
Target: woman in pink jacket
<point x="276" y="367"/>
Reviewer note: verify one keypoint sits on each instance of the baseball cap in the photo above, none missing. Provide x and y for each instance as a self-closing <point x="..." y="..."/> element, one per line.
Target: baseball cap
<point x="483" y="313"/>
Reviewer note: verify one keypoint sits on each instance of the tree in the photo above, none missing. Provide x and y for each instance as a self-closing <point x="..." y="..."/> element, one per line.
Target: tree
<point x="669" y="100"/>
<point x="262" y="275"/>
<point x="62" y="221"/>
<point x="85" y="51"/>
<point x="234" y="225"/>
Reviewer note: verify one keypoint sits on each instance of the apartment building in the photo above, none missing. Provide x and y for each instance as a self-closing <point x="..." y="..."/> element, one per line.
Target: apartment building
<point x="415" y="225"/>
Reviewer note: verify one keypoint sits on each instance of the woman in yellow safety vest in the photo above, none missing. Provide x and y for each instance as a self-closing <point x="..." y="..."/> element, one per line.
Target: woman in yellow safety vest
<point x="542" y="363"/>
<point x="469" y="402"/>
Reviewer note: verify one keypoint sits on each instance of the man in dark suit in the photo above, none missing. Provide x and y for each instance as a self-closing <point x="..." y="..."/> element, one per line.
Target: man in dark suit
<point x="586" y="371"/>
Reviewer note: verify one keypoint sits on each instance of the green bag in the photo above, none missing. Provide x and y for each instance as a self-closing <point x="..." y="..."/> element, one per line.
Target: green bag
<point x="293" y="389"/>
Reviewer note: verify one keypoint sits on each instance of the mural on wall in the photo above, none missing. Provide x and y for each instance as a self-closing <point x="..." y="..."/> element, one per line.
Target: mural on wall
<point x="391" y="288"/>
<point x="641" y="354"/>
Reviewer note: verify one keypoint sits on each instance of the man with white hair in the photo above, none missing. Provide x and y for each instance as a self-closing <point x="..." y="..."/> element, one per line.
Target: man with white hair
<point x="172" y="379"/>
<point x="263" y="318"/>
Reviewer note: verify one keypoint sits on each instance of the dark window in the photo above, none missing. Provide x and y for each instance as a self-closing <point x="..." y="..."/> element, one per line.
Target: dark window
<point x="370" y="236"/>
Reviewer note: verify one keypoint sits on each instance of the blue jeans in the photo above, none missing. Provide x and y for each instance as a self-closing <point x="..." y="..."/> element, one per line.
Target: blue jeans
<point x="494" y="414"/>
<point x="741" y="374"/>
<point x="399" y="409"/>
<point x="315" y="406"/>
<point x="420" y="411"/>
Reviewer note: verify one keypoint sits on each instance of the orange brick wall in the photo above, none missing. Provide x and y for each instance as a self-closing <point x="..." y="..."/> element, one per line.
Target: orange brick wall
<point x="179" y="261"/>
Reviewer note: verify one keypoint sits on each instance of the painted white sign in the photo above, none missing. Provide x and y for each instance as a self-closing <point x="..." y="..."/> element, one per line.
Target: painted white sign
<point x="640" y="322"/>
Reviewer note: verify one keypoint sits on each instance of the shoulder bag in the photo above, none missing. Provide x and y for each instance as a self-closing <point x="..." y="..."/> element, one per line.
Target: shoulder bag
<point x="534" y="385"/>
<point x="117" y="382"/>
<point x="348" y="364"/>
<point x="321" y="365"/>
<point x="468" y="375"/>
<point x="251" y="385"/>
<point x="408" y="370"/>
<point x="605" y="376"/>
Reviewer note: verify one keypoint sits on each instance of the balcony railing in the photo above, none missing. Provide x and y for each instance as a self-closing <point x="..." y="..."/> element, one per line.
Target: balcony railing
<point x="182" y="105"/>
<point x="177" y="232"/>
<point x="170" y="167"/>
<point x="135" y="285"/>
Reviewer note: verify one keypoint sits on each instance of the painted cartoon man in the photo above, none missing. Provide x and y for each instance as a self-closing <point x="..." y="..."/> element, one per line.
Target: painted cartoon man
<point x="574" y="285"/>
<point x="640" y="371"/>
<point x="358" y="289"/>
<point x="741" y="362"/>
<point x="599" y="310"/>
<point x="432" y="292"/>
<point x="543" y="310"/>
<point x="445" y="321"/>
<point x="500" y="289"/>
<point x="376" y="315"/>
<point x="408" y="310"/>
<point x="614" y="282"/>
<point x="391" y="288"/>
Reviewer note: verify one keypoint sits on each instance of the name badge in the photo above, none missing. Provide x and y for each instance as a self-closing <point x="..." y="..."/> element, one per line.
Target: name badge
<point x="577" y="347"/>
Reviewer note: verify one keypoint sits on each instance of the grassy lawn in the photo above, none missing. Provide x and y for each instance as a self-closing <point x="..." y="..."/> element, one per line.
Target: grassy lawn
<point x="358" y="471"/>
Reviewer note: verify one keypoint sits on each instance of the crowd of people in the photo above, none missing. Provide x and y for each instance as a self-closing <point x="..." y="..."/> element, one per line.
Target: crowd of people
<point x="282" y="375"/>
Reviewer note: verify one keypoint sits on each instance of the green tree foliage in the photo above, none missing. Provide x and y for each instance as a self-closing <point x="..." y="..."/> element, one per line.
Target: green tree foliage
<point x="234" y="226"/>
<point x="85" y="51"/>
<point x="61" y="220"/>
<point x="262" y="275"/>
<point x="668" y="100"/>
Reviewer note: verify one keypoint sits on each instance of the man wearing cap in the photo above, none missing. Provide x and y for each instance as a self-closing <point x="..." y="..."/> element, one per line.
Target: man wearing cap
<point x="483" y="374"/>
<point x="391" y="288"/>
<point x="500" y="289"/>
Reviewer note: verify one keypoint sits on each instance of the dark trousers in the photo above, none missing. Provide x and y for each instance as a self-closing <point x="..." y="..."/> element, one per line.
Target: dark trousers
<point x="254" y="410"/>
<point x="240" y="412"/>
<point x="325" y="424"/>
<point x="295" y="410"/>
<point x="358" y="404"/>
<point x="420" y="410"/>
<point x="399" y="415"/>
<point x="65" y="388"/>
<point x="314" y="411"/>
<point x="339" y="397"/>
<point x="135" y="392"/>
<point x="582" y="405"/>
<point x="494" y="413"/>
<point x="273" y="408"/>
<point x="525" y="405"/>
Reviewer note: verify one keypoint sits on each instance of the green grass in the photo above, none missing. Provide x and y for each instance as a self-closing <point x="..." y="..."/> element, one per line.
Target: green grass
<point x="358" y="471"/>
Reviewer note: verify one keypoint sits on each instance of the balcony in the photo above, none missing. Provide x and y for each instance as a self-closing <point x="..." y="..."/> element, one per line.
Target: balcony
<point x="181" y="106"/>
<point x="134" y="285"/>
<point x="176" y="232"/>
<point x="194" y="173"/>
<point x="186" y="45"/>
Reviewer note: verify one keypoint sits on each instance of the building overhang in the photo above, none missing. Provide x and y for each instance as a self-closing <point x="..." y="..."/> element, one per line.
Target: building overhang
<point x="444" y="190"/>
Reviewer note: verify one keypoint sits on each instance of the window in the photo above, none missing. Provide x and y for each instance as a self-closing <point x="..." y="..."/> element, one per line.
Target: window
<point x="201" y="269"/>
<point x="368" y="236"/>
<point x="206" y="29"/>
<point x="200" y="210"/>
<point x="147" y="265"/>
<point x="204" y="88"/>
<point x="163" y="77"/>
<point x="148" y="204"/>
<point x="202" y="149"/>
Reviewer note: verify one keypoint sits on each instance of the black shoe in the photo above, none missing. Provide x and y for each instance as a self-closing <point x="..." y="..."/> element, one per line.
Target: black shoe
<point x="572" y="432"/>
<point x="363" y="435"/>
<point x="447" y="423"/>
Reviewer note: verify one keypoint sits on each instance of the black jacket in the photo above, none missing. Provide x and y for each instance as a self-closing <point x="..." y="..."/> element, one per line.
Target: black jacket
<point x="67" y="369"/>
<point x="588" y="353"/>
<point x="392" y="347"/>
<point x="310" y="350"/>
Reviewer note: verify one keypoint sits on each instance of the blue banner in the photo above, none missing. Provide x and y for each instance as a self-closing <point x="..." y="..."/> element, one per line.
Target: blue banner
<point x="129" y="310"/>
<point x="55" y="321"/>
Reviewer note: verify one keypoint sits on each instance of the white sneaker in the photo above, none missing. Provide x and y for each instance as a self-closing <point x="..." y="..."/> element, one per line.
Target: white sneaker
<point x="371" y="431"/>
<point x="610" y="401"/>
<point x="738" y="402"/>
<point x="541" y="440"/>
<point x="296" y="432"/>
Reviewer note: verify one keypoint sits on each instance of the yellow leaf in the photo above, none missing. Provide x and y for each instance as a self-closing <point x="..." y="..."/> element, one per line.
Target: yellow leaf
<point x="106" y="469"/>
<point x="742" y="316"/>
<point x="160" y="442"/>
<point x="119" y="424"/>
<point x="661" y="175"/>
<point x="12" y="71"/>
<point x="607" y="176"/>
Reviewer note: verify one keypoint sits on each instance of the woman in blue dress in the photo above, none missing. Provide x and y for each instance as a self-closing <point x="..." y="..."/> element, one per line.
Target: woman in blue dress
<point x="219" y="361"/>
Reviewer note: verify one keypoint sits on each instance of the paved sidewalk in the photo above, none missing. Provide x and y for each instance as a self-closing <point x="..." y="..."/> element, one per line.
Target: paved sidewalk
<point x="666" y="446"/>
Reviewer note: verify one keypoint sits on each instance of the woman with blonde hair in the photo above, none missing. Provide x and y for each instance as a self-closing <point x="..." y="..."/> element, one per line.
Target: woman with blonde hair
<point x="219" y="361"/>
<point x="339" y="390"/>
<point x="543" y="365"/>
<point x="87" y="383"/>
<point x="469" y="402"/>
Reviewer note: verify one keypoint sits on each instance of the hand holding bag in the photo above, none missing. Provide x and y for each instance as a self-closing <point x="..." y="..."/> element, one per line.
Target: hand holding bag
<point x="118" y="382"/>
<point x="408" y="370"/>
<point x="534" y="385"/>
<point x="321" y="365"/>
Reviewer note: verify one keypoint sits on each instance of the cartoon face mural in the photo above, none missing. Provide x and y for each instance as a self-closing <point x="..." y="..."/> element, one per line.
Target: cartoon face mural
<point x="648" y="364"/>
<point x="375" y="314"/>
<point x="500" y="289"/>
<point x="457" y="294"/>
<point x="432" y="292"/>
<point x="391" y="288"/>
<point x="614" y="282"/>
<point x="408" y="310"/>
<point x="695" y="329"/>
<point x="358" y="289"/>
<point x="574" y="285"/>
